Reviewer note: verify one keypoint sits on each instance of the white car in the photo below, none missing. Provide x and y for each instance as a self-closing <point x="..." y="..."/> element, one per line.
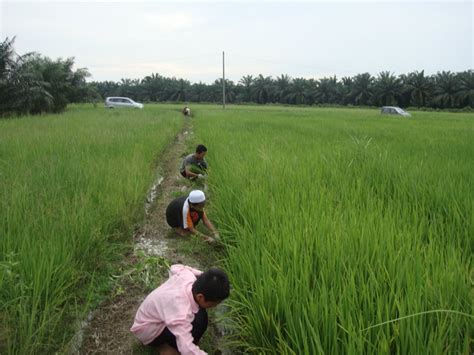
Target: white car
<point x="394" y="110"/>
<point x="119" y="102"/>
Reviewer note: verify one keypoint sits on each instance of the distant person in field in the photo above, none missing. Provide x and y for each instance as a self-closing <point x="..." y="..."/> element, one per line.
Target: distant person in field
<point x="186" y="111"/>
<point x="184" y="213"/>
<point x="173" y="317"/>
<point x="194" y="166"/>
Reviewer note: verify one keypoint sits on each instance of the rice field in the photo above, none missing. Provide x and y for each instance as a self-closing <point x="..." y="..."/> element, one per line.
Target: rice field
<point x="347" y="232"/>
<point x="72" y="188"/>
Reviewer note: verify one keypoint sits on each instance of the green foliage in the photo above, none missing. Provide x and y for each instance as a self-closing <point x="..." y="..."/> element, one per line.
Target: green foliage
<point x="148" y="270"/>
<point x="388" y="89"/>
<point x="32" y="84"/>
<point x="362" y="89"/>
<point x="72" y="188"/>
<point x="446" y="90"/>
<point x="465" y="90"/>
<point x="420" y="88"/>
<point x="337" y="221"/>
<point x="443" y="90"/>
<point x="439" y="91"/>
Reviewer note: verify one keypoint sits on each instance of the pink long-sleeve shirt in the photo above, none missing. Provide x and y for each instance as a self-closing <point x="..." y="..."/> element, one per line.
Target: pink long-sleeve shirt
<point x="171" y="305"/>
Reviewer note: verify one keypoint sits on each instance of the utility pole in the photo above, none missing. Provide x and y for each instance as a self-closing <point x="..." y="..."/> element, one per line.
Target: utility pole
<point x="223" y="81"/>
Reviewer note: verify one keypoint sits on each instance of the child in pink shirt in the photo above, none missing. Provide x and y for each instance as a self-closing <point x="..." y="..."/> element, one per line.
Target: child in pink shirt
<point x="173" y="317"/>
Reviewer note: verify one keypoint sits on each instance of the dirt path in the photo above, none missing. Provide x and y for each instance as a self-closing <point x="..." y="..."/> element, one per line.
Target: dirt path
<point x="156" y="247"/>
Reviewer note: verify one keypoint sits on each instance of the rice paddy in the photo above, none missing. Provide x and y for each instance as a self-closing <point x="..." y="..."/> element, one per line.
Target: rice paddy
<point x="339" y="221"/>
<point x="345" y="231"/>
<point x="72" y="188"/>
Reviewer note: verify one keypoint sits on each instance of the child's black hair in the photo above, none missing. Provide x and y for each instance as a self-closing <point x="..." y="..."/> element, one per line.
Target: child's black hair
<point x="213" y="284"/>
<point x="201" y="148"/>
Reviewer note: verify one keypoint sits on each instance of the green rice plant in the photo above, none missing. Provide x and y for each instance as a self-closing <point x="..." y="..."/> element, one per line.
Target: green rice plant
<point x="72" y="188"/>
<point x="148" y="270"/>
<point x="346" y="232"/>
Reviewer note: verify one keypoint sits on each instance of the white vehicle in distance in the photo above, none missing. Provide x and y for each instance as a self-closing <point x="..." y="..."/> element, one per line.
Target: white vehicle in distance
<point x="394" y="110"/>
<point x="120" y="102"/>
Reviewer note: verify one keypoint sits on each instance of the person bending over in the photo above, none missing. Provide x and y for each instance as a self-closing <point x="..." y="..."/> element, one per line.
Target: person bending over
<point x="186" y="111"/>
<point x="184" y="213"/>
<point x="194" y="165"/>
<point x="173" y="317"/>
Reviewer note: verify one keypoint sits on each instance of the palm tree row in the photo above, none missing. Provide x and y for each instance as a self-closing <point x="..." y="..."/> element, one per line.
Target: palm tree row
<point x="32" y="84"/>
<point x="442" y="90"/>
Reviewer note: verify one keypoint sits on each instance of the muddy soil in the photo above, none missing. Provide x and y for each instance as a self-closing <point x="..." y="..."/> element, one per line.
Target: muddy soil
<point x="108" y="330"/>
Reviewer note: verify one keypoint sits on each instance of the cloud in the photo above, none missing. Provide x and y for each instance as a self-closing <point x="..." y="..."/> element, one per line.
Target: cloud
<point x="140" y="70"/>
<point x="186" y="40"/>
<point x="169" y="22"/>
<point x="191" y="71"/>
<point x="227" y="1"/>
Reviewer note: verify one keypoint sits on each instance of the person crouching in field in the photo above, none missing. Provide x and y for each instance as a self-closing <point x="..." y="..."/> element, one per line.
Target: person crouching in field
<point x="186" y="111"/>
<point x="173" y="317"/>
<point x="184" y="213"/>
<point x="194" y="165"/>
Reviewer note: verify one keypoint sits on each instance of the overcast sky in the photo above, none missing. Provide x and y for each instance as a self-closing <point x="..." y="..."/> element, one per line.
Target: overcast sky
<point x="185" y="39"/>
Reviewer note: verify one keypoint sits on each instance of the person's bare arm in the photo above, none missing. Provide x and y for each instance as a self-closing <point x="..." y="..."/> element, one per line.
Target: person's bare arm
<point x="188" y="171"/>
<point x="201" y="235"/>
<point x="211" y="227"/>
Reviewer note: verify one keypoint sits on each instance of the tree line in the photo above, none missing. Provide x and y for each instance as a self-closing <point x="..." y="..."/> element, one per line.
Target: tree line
<point x="32" y="84"/>
<point x="444" y="90"/>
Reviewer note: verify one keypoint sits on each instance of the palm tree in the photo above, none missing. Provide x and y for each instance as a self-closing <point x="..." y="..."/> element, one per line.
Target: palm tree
<point x="230" y="92"/>
<point x="465" y="92"/>
<point x="282" y="88"/>
<point x="152" y="86"/>
<point x="388" y="88"/>
<point x="7" y="64"/>
<point x="200" y="92"/>
<point x="446" y="89"/>
<point x="362" y="89"/>
<point x="80" y="90"/>
<point x="107" y="88"/>
<point x="126" y="87"/>
<point x="345" y="89"/>
<point x="419" y="86"/>
<point x="7" y="57"/>
<point x="247" y="83"/>
<point x="22" y="88"/>
<point x="326" y="90"/>
<point x="299" y="91"/>
<point x="59" y="76"/>
<point x="180" y="90"/>
<point x="262" y="89"/>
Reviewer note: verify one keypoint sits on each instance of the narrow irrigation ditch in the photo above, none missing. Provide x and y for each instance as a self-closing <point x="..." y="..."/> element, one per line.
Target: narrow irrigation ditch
<point x="156" y="247"/>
